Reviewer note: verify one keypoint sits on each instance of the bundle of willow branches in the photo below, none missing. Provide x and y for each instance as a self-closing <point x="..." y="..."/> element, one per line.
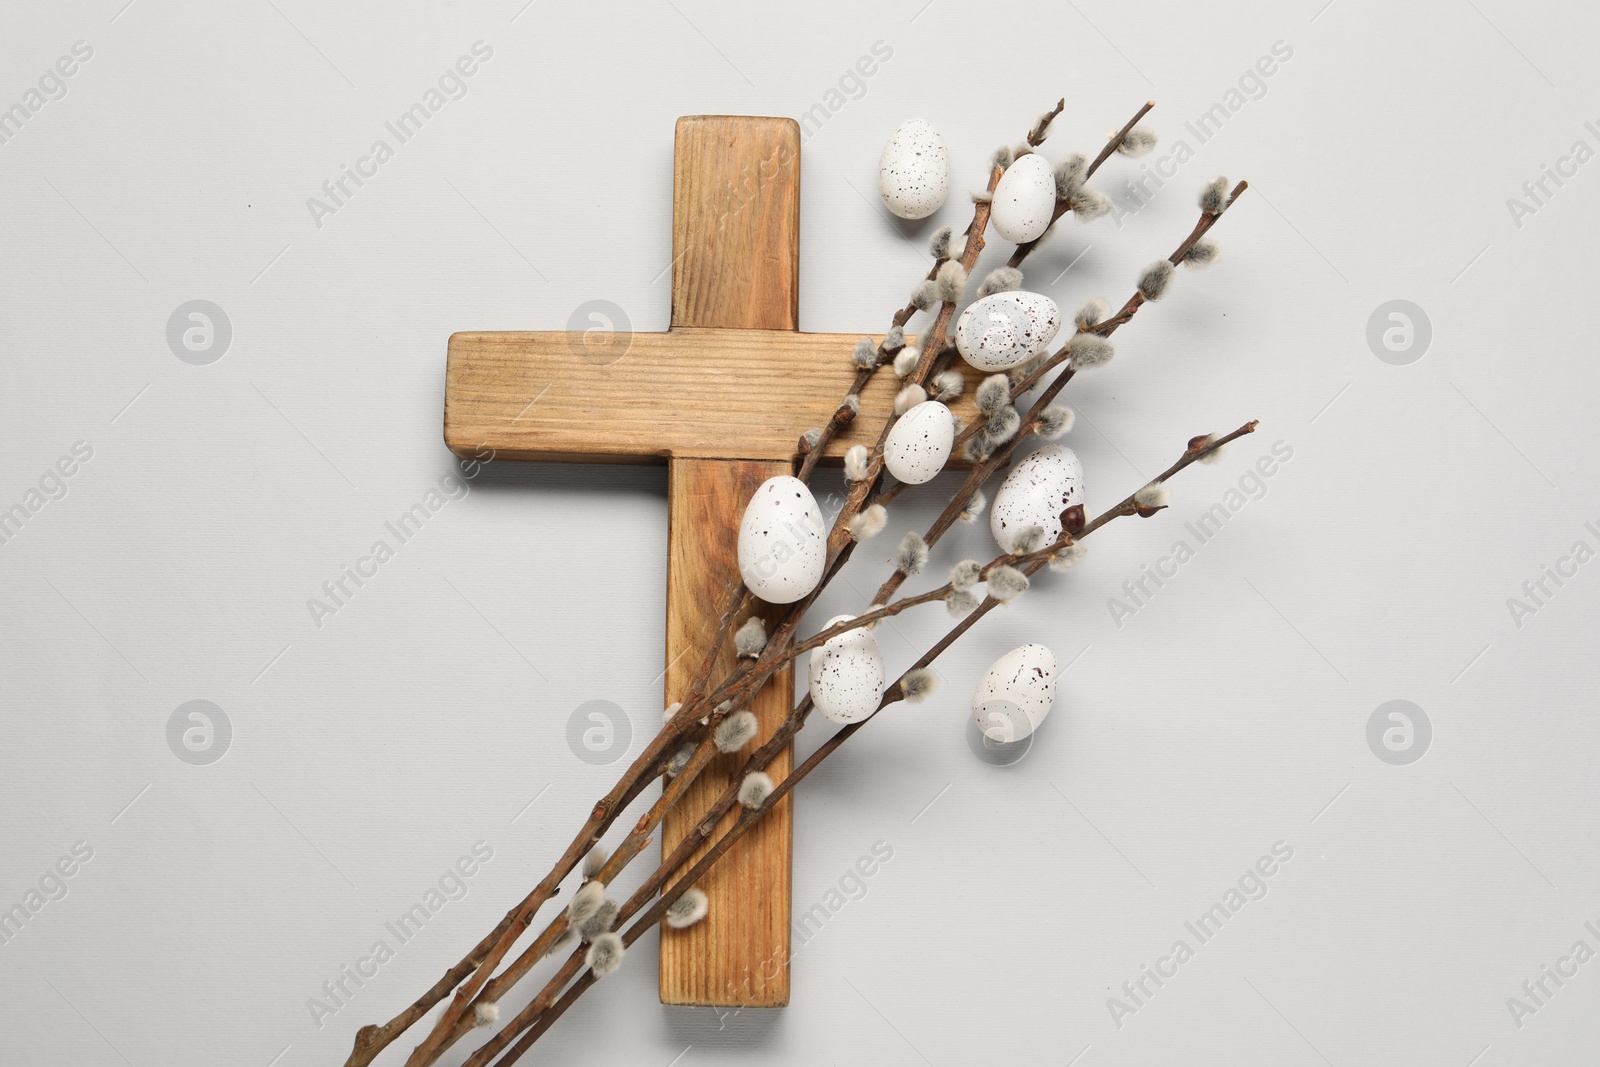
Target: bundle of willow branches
<point x="710" y="717"/>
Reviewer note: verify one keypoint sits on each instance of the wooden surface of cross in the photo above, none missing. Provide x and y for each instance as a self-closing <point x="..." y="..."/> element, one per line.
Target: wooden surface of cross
<point x="722" y="398"/>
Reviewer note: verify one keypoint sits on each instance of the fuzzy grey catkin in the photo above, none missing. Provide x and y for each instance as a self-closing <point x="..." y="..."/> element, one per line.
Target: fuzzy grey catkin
<point x="1154" y="495"/>
<point x="690" y="907"/>
<point x="865" y="354"/>
<point x="1006" y="583"/>
<point x="951" y="280"/>
<point x="812" y="438"/>
<point x="958" y="246"/>
<point x="1087" y="350"/>
<point x="948" y="384"/>
<point x="994" y="393"/>
<point x="974" y="507"/>
<point x="601" y="921"/>
<point x="1004" y="156"/>
<point x="1000" y="280"/>
<point x="869" y="524"/>
<point x="918" y="684"/>
<point x="977" y="450"/>
<point x="1202" y="254"/>
<point x="895" y="339"/>
<point x="486" y="1013"/>
<point x="856" y="463"/>
<point x="605" y="954"/>
<point x="680" y="759"/>
<point x="1002" y="426"/>
<point x="1055" y="420"/>
<point x="960" y="602"/>
<point x="1028" y="540"/>
<point x="911" y="555"/>
<point x="586" y="901"/>
<point x="1070" y="175"/>
<point x="1155" y="279"/>
<point x="755" y="789"/>
<point x="1067" y="558"/>
<point x="939" y="243"/>
<point x="1091" y="313"/>
<point x="1137" y="141"/>
<point x="925" y="295"/>
<point x="751" y="638"/>
<point x="736" y="731"/>
<point x="1214" y="197"/>
<point x="595" y="859"/>
<point x="1089" y="205"/>
<point x="908" y="398"/>
<point x="907" y="360"/>
<point x="965" y="575"/>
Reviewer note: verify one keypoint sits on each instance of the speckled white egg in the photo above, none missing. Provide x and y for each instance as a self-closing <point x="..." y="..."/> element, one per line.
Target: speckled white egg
<point x="783" y="542"/>
<point x="914" y="174"/>
<point x="1024" y="200"/>
<point x="847" y="676"/>
<point x="1005" y="330"/>
<point x="1035" y="493"/>
<point x="1016" y="693"/>
<point x="919" y="442"/>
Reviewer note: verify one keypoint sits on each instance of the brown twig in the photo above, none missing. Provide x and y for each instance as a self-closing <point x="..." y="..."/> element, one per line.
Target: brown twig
<point x="542" y="1012"/>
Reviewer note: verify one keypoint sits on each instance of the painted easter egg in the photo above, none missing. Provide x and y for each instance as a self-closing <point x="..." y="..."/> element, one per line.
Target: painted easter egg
<point x="1005" y="330"/>
<point x="1024" y="200"/>
<point x="914" y="173"/>
<point x="783" y="542"/>
<point x="847" y="675"/>
<point x="1035" y="493"/>
<point x="1015" y="694"/>
<point x="919" y="442"/>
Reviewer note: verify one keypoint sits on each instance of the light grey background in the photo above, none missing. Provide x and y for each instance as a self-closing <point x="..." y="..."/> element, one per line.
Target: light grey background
<point x="1229" y="712"/>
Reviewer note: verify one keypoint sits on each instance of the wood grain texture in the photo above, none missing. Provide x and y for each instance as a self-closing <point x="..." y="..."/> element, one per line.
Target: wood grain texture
<point x="739" y="955"/>
<point x="722" y="397"/>
<point x="736" y="266"/>
<point x="736" y="222"/>
<point x="731" y="393"/>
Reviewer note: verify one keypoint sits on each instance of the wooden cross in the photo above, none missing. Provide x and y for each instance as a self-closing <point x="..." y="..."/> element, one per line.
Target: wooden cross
<point x="722" y="398"/>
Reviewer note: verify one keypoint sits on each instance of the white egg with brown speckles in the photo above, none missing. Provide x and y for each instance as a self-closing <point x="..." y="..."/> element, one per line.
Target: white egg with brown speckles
<point x="919" y="443"/>
<point x="847" y="675"/>
<point x="1005" y="330"/>
<point x="1015" y="694"/>
<point x="1025" y="199"/>
<point x="914" y="173"/>
<point x="783" y="542"/>
<point x="1035" y="493"/>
